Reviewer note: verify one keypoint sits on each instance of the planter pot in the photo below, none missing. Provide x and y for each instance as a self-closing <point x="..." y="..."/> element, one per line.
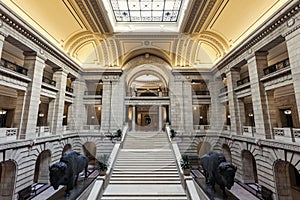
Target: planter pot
<point x="186" y="172"/>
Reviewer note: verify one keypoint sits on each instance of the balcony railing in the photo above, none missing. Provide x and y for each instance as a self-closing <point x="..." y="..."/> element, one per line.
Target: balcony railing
<point x="249" y="130"/>
<point x="277" y="66"/>
<point x="204" y="92"/>
<point x="291" y="133"/>
<point x="243" y="81"/>
<point x="8" y="134"/>
<point x="93" y="92"/>
<point x="68" y="89"/>
<point x="42" y="131"/>
<point x="14" y="67"/>
<point x="147" y="94"/>
<point x="49" y="81"/>
<point x="224" y="89"/>
<point x="201" y="127"/>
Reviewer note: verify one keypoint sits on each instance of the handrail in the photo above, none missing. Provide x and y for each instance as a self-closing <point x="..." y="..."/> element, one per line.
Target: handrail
<point x="49" y="81"/>
<point x="277" y="66"/>
<point x="69" y="89"/>
<point x="201" y="92"/>
<point x="243" y="81"/>
<point x="93" y="92"/>
<point x="13" y="66"/>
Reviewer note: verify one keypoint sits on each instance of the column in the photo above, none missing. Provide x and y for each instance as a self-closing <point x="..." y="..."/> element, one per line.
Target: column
<point x="159" y="117"/>
<point x="117" y="103"/>
<point x="256" y="64"/>
<point x="35" y="64"/>
<point x="106" y="106"/>
<point x="2" y="39"/>
<point x="217" y="109"/>
<point x="77" y="112"/>
<point x="18" y="115"/>
<point x="133" y="117"/>
<point x="187" y="99"/>
<point x="56" y="107"/>
<point x="232" y="77"/>
<point x="176" y="107"/>
<point x="293" y="47"/>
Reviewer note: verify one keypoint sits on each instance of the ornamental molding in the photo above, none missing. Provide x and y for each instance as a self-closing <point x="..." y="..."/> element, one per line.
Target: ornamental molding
<point x="29" y="34"/>
<point x="279" y="21"/>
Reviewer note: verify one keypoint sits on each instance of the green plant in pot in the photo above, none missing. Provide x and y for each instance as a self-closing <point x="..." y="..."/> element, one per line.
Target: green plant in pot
<point x="102" y="163"/>
<point x="172" y="133"/>
<point x="118" y="134"/>
<point x="185" y="164"/>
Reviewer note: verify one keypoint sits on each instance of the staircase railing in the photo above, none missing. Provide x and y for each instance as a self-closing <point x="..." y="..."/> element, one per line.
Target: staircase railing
<point x="187" y="181"/>
<point x="102" y="181"/>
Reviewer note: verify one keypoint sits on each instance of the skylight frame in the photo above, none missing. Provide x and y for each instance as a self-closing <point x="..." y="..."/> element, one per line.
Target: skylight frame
<point x="143" y="8"/>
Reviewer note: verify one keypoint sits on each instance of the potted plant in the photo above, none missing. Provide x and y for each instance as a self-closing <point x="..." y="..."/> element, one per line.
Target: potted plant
<point x="185" y="165"/>
<point x="173" y="133"/>
<point x="118" y="134"/>
<point x="102" y="164"/>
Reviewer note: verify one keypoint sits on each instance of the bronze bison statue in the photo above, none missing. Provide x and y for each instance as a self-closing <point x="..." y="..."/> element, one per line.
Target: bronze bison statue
<point x="66" y="171"/>
<point x="217" y="170"/>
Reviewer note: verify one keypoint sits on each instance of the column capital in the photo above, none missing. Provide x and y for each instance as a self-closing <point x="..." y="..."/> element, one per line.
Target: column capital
<point x="34" y="55"/>
<point x="256" y="55"/>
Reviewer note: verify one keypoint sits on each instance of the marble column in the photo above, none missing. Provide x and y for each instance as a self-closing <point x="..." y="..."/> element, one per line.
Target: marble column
<point x="232" y="77"/>
<point x="160" y="118"/>
<point x="133" y="117"/>
<point x="56" y="107"/>
<point x="35" y="64"/>
<point x="217" y="109"/>
<point x="106" y="106"/>
<point x="293" y="47"/>
<point x="256" y="64"/>
<point x="2" y="39"/>
<point x="19" y="110"/>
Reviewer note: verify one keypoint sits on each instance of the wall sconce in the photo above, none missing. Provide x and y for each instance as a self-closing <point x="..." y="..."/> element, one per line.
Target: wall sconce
<point x="64" y="116"/>
<point x="228" y="116"/>
<point x="93" y="117"/>
<point x="250" y="115"/>
<point x="99" y="108"/>
<point x="201" y="117"/>
<point x="287" y="112"/>
<point x="195" y="108"/>
<point x="2" y="112"/>
<point x="41" y="115"/>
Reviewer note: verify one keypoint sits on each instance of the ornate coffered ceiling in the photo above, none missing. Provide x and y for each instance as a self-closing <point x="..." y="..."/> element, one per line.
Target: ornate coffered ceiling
<point x="84" y="31"/>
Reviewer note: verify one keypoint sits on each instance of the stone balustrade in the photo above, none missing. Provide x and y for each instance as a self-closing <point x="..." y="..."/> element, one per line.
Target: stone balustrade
<point x="7" y="134"/>
<point x="288" y="134"/>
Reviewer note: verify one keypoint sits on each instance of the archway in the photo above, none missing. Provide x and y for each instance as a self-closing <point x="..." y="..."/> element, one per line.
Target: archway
<point x="7" y="179"/>
<point x="287" y="180"/>
<point x="41" y="172"/>
<point x="227" y="153"/>
<point x="67" y="147"/>
<point x="203" y="148"/>
<point x="89" y="149"/>
<point x="249" y="167"/>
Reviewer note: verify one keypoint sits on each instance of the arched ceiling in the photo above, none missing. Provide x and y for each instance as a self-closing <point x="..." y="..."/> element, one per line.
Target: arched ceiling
<point x="207" y="32"/>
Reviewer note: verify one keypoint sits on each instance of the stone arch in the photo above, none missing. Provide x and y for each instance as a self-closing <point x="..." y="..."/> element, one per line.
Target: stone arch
<point x="203" y="148"/>
<point x="67" y="147"/>
<point x="249" y="167"/>
<point x="287" y="180"/>
<point x="90" y="149"/>
<point x="8" y="171"/>
<point x="227" y="153"/>
<point x="42" y="164"/>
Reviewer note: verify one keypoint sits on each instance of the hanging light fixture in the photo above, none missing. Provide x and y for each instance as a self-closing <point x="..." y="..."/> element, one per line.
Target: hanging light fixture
<point x="2" y="112"/>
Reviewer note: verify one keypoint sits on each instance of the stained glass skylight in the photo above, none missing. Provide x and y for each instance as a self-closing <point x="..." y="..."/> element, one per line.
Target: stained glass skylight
<point x="146" y="10"/>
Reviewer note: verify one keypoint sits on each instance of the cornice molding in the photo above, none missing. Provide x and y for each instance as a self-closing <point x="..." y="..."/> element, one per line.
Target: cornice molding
<point x="279" y="21"/>
<point x="32" y="36"/>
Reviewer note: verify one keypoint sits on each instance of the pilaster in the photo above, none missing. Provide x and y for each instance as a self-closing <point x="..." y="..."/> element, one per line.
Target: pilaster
<point x="18" y="116"/>
<point x="56" y="107"/>
<point x="2" y="39"/>
<point x="106" y="105"/>
<point x="256" y="64"/>
<point x="293" y="47"/>
<point x="217" y="109"/>
<point x="117" y="103"/>
<point x="35" y="65"/>
<point x="232" y="77"/>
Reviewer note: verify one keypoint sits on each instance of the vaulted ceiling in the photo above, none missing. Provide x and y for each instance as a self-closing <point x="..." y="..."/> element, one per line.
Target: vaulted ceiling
<point x="84" y="30"/>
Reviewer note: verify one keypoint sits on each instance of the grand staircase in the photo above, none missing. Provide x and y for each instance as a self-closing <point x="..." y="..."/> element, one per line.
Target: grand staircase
<point x="145" y="169"/>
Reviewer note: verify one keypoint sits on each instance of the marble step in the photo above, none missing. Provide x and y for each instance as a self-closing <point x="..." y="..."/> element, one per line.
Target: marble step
<point x="145" y="182"/>
<point x="144" y="197"/>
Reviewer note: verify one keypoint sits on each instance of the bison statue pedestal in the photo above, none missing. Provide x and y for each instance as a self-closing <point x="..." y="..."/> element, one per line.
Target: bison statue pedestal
<point x="66" y="171"/>
<point x="217" y="170"/>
